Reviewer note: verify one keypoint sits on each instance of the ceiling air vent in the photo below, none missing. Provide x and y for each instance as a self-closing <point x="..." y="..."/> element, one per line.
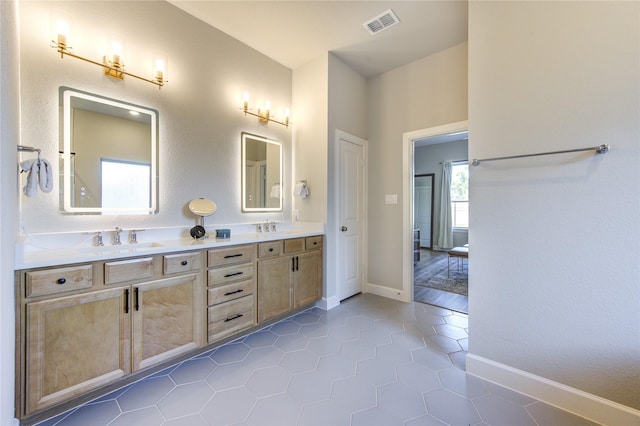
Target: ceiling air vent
<point x="381" y="22"/>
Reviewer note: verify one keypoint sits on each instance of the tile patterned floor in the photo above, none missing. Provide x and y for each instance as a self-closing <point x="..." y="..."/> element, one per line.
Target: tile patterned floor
<point x="370" y="361"/>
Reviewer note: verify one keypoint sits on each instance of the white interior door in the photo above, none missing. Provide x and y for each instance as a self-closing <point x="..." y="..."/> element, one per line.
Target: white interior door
<point x="351" y="219"/>
<point x="423" y="211"/>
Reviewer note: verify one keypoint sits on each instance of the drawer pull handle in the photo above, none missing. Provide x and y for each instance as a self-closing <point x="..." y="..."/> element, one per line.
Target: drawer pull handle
<point x="229" y="256"/>
<point x="271" y="249"/>
<point x="315" y="243"/>
<point x="234" y="317"/>
<point x="233" y="292"/>
<point x="233" y="275"/>
<point x="126" y="300"/>
<point x="61" y="281"/>
<point x="184" y="263"/>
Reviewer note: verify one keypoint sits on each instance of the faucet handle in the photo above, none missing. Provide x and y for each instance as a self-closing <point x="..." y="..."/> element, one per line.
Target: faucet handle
<point x="133" y="235"/>
<point x="116" y="236"/>
<point x="98" y="242"/>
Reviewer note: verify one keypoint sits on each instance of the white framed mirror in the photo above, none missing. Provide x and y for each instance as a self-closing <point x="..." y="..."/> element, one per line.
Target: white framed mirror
<point x="108" y="155"/>
<point x="261" y="174"/>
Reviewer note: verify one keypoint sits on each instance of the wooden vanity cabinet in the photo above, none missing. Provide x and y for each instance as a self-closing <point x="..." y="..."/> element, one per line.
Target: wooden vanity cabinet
<point x="74" y="344"/>
<point x="85" y="326"/>
<point x="231" y="290"/>
<point x="289" y="275"/>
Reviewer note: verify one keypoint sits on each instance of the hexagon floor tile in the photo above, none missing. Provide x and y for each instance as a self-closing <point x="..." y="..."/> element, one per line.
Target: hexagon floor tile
<point x="368" y="361"/>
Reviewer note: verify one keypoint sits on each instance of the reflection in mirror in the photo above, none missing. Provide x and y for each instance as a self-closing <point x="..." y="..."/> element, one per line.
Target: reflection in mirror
<point x="108" y="155"/>
<point x="261" y="174"/>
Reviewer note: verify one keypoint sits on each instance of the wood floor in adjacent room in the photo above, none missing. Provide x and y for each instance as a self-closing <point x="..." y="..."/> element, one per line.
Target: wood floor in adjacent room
<point x="432" y="296"/>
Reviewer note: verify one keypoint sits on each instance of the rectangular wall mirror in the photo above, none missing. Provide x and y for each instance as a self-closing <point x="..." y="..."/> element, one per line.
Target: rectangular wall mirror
<point x="108" y="155"/>
<point x="261" y="174"/>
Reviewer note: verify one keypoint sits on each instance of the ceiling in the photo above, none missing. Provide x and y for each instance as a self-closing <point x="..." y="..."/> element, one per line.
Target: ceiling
<point x="294" y="33"/>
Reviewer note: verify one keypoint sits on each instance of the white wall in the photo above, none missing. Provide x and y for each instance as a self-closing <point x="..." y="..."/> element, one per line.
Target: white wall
<point x="310" y="101"/>
<point x="9" y="134"/>
<point x="426" y="93"/>
<point x="199" y="108"/>
<point x="555" y="272"/>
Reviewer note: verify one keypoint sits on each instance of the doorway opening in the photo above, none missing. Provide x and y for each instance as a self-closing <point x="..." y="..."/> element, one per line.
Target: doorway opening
<point x="432" y="275"/>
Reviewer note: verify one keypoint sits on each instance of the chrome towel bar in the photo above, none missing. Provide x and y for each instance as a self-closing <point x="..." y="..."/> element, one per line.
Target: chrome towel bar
<point x="602" y="149"/>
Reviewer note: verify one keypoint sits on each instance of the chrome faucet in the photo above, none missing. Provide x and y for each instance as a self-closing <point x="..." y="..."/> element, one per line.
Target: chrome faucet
<point x="98" y="242"/>
<point x="267" y="226"/>
<point x="116" y="237"/>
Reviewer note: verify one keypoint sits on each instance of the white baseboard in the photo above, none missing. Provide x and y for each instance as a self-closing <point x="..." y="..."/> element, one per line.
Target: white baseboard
<point x="391" y="293"/>
<point x="328" y="303"/>
<point x="573" y="400"/>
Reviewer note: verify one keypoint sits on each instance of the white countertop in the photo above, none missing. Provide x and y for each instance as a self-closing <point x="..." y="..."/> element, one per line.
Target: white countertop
<point x="39" y="251"/>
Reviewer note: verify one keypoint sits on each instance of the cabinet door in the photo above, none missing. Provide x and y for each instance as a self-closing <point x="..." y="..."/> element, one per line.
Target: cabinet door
<point x="307" y="283"/>
<point x="275" y="290"/>
<point x="75" y="344"/>
<point x="167" y="319"/>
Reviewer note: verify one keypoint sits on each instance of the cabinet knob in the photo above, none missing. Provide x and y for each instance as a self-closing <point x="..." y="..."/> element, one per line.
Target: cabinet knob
<point x="271" y="249"/>
<point x="184" y="263"/>
<point x="344" y="229"/>
<point x="61" y="281"/>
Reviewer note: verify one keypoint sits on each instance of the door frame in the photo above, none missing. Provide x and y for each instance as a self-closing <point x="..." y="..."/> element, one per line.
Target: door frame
<point x="433" y="181"/>
<point x="334" y="225"/>
<point x="408" y="149"/>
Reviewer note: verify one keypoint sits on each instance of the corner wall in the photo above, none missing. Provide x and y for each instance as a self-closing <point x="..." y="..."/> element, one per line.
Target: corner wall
<point x="9" y="136"/>
<point x="556" y="240"/>
<point x="426" y="93"/>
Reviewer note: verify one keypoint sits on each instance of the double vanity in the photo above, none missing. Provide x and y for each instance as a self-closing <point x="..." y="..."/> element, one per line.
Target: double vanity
<point x="90" y="318"/>
<point x="97" y="309"/>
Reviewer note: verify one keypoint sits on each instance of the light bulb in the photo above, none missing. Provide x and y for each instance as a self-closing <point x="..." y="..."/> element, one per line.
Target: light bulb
<point x="63" y="30"/>
<point x="116" y="50"/>
<point x="159" y="70"/>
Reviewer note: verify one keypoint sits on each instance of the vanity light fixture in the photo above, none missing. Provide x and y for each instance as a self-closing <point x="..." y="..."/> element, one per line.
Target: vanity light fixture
<point x="264" y="115"/>
<point x="113" y="65"/>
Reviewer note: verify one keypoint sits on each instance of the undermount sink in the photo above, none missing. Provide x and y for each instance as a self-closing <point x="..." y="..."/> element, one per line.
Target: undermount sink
<point x="119" y="248"/>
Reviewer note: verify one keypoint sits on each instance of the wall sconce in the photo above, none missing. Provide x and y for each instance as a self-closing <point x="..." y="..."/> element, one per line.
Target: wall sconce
<point x="264" y="115"/>
<point x="113" y="65"/>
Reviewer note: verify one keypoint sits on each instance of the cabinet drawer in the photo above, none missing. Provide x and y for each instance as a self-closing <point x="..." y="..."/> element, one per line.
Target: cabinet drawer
<point x="230" y="274"/>
<point x="216" y="295"/>
<point x="230" y="317"/>
<point x="183" y="262"/>
<point x="270" y="249"/>
<point x="294" y="245"/>
<point x="128" y="270"/>
<point x="313" y="242"/>
<point x="231" y="255"/>
<point x="58" y="280"/>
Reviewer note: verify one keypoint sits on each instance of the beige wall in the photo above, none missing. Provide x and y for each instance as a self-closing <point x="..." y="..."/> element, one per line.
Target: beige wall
<point x="199" y="109"/>
<point x="553" y="280"/>
<point x="422" y="94"/>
